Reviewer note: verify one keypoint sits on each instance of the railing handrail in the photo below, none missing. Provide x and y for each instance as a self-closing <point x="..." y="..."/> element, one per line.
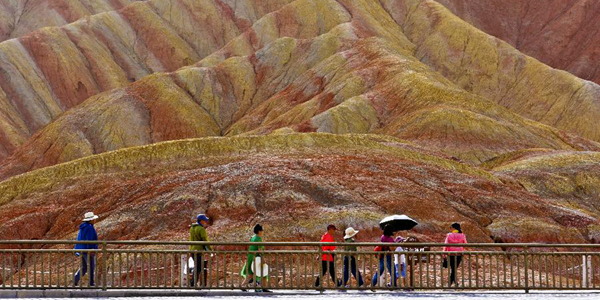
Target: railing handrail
<point x="297" y="244"/>
<point x="50" y="264"/>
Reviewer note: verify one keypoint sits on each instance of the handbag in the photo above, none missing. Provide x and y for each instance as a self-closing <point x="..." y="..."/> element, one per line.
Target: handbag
<point x="378" y="249"/>
<point x="256" y="269"/>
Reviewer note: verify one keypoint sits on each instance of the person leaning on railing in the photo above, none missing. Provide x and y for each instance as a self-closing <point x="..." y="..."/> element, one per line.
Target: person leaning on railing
<point x="86" y="233"/>
<point x="198" y="234"/>
<point x="454" y="256"/>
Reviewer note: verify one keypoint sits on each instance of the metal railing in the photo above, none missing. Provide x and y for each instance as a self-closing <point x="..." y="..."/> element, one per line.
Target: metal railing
<point x="296" y="266"/>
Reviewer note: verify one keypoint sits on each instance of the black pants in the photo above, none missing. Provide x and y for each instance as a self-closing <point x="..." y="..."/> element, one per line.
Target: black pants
<point x="199" y="264"/>
<point x="327" y="266"/>
<point x="350" y="266"/>
<point x="453" y="262"/>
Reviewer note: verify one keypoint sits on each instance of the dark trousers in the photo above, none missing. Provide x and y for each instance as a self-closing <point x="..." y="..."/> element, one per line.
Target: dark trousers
<point x="84" y="268"/>
<point x="454" y="262"/>
<point x="326" y="266"/>
<point x="350" y="266"/>
<point x="385" y="260"/>
<point x="199" y="264"/>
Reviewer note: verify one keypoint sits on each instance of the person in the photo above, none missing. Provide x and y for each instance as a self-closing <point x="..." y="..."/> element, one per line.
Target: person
<point x="198" y="234"/>
<point x="350" y="259"/>
<point x="327" y="259"/>
<point x="386" y="259"/>
<point x="454" y="256"/>
<point x="86" y="233"/>
<point x="247" y="269"/>
<point x="400" y="260"/>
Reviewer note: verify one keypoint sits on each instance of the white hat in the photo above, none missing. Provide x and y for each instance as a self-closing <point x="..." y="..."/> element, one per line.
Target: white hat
<point x="350" y="232"/>
<point x="89" y="216"/>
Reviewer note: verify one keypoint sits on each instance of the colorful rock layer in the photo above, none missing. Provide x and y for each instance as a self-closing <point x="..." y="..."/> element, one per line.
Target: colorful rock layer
<point x="402" y="106"/>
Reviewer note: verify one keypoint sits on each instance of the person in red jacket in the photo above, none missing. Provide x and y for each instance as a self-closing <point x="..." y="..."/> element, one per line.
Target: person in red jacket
<point x="327" y="259"/>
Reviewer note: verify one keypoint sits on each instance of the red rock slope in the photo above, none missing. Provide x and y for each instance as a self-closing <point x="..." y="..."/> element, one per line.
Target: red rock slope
<point x="564" y="34"/>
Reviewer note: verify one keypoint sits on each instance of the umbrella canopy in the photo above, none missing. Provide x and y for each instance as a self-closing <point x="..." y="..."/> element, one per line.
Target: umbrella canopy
<point x="398" y="222"/>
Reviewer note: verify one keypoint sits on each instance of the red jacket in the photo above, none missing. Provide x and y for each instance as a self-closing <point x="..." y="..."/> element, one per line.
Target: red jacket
<point x="327" y="238"/>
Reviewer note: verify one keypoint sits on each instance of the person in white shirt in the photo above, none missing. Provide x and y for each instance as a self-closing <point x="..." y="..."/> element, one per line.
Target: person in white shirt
<point x="400" y="260"/>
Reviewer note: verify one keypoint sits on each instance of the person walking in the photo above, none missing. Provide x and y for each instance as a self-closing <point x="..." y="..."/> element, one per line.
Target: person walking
<point x="385" y="260"/>
<point x="454" y="256"/>
<point x="350" y="259"/>
<point x="247" y="271"/>
<point x="86" y="233"/>
<point x="198" y="234"/>
<point x="327" y="259"/>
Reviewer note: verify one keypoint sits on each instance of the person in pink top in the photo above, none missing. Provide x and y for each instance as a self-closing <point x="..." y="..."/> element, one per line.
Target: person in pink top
<point x="327" y="264"/>
<point x="454" y="256"/>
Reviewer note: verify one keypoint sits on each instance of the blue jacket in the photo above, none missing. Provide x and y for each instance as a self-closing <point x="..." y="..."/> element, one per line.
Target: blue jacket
<point x="86" y="233"/>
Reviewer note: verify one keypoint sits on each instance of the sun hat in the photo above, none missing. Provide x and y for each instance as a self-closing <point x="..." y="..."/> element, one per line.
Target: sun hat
<point x="89" y="216"/>
<point x="350" y="232"/>
<point x="399" y="239"/>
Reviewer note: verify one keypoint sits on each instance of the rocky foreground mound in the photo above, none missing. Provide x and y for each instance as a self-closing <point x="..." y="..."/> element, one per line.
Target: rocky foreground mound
<point x="292" y="183"/>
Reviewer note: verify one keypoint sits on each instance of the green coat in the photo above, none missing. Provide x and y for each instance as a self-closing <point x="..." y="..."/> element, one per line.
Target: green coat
<point x="247" y="269"/>
<point x="198" y="234"/>
<point x="350" y="248"/>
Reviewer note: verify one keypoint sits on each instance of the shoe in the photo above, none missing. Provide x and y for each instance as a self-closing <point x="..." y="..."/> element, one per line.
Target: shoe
<point x="244" y="290"/>
<point x="266" y="291"/>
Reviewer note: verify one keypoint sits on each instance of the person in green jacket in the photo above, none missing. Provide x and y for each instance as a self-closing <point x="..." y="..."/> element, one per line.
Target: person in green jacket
<point x="247" y="269"/>
<point x="350" y="264"/>
<point x="198" y="234"/>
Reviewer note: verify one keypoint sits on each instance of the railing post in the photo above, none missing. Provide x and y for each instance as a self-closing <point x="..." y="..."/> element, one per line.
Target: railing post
<point x="412" y="271"/>
<point x="104" y="266"/>
<point x="525" y="262"/>
<point x="320" y="268"/>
